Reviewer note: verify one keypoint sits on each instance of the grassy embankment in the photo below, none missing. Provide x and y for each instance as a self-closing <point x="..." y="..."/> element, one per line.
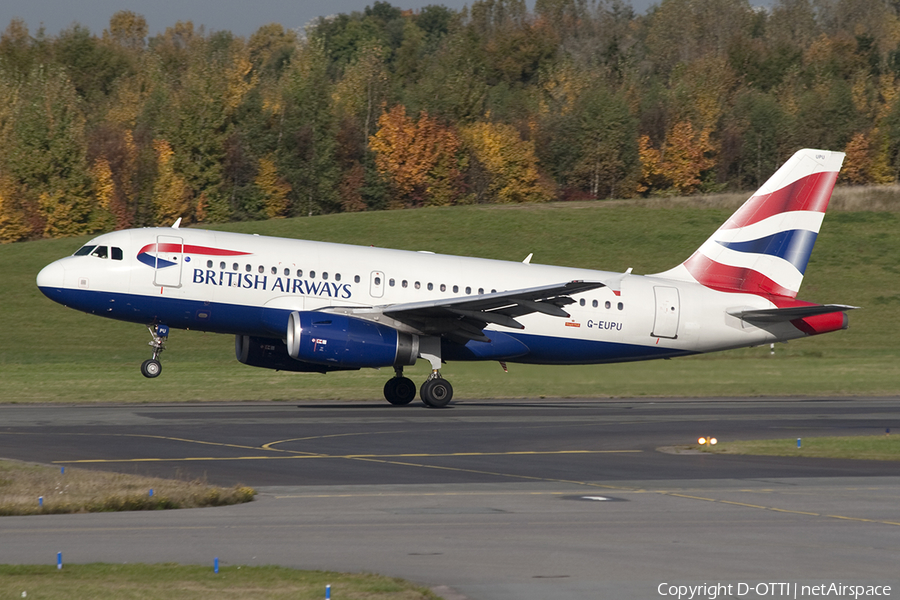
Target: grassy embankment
<point x="173" y="582"/>
<point x="52" y="354"/>
<point x="83" y="490"/>
<point x="868" y="447"/>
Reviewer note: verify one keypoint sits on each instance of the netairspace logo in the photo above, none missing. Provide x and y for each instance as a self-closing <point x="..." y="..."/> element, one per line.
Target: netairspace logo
<point x="711" y="591"/>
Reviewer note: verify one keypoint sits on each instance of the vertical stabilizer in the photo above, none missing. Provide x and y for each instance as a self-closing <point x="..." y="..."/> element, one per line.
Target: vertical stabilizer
<point x="765" y="246"/>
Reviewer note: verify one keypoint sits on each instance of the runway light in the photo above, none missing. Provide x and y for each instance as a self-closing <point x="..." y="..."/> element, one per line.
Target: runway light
<point x="702" y="441"/>
<point x="713" y="441"/>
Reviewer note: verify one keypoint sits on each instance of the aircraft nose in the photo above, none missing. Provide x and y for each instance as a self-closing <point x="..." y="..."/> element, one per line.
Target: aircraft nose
<point x="51" y="277"/>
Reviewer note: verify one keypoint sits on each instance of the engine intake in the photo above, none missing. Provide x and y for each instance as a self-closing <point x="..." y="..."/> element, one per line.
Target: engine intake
<point x="347" y="342"/>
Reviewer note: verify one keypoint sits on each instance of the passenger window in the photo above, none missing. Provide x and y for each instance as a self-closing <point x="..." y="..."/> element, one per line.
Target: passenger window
<point x="312" y="274"/>
<point x="337" y="277"/>
<point x="287" y="272"/>
<point x="620" y="306"/>
<point x="261" y="269"/>
<point x="209" y="264"/>
<point x="234" y="267"/>
<point x="325" y="275"/>
<point x="248" y="268"/>
<point x="443" y="288"/>
<point x="608" y="305"/>
<point x="405" y="283"/>
<point x="581" y="302"/>
<point x="299" y="272"/>
<point x="455" y="289"/>
<point x="390" y="282"/>
<point x="117" y="253"/>
<point x="480" y="291"/>
<point x="468" y="290"/>
<point x="274" y="271"/>
<point x="100" y="252"/>
<point x="418" y="285"/>
<point x="84" y="250"/>
<point x="222" y="265"/>
<point x="430" y="286"/>
<point x="356" y="280"/>
<point x="594" y="304"/>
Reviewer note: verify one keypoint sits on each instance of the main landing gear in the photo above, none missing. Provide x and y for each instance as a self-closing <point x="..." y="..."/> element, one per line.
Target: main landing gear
<point x="151" y="367"/>
<point x="436" y="392"/>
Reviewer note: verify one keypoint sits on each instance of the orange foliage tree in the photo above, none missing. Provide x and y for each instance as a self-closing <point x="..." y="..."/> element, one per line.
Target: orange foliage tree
<point x="677" y="168"/>
<point x="418" y="157"/>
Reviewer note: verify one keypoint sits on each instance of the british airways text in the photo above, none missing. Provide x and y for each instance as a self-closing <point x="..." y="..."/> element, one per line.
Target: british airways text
<point x="272" y="284"/>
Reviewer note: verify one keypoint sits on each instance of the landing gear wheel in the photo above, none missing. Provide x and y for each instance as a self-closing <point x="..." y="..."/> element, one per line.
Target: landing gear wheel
<point x="151" y="368"/>
<point x="436" y="393"/>
<point x="399" y="391"/>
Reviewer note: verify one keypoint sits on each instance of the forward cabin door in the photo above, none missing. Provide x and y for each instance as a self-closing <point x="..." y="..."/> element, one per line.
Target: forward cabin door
<point x="169" y="259"/>
<point x="668" y="310"/>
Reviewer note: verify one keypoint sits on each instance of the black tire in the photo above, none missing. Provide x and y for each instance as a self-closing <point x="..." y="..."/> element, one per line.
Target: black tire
<point x="405" y="390"/>
<point x="399" y="391"/>
<point x="436" y="393"/>
<point x="151" y="368"/>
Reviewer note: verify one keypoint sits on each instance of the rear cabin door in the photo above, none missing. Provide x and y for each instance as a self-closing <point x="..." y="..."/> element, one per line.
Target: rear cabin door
<point x="169" y="259"/>
<point x="668" y="310"/>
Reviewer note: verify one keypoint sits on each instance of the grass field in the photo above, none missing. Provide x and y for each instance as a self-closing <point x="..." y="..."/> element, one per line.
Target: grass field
<point x="174" y="582"/>
<point x="864" y="447"/>
<point x="52" y="354"/>
<point x="83" y="490"/>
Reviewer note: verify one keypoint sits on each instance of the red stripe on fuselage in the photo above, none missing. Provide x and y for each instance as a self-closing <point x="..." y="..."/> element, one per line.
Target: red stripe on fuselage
<point x="188" y="249"/>
<point x="810" y="193"/>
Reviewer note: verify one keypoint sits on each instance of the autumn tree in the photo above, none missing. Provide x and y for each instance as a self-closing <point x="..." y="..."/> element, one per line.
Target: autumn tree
<point x="508" y="164"/>
<point x="274" y="189"/>
<point x="171" y="194"/>
<point x="419" y="157"/>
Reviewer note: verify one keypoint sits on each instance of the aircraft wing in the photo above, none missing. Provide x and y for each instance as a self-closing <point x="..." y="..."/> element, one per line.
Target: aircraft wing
<point x="464" y="318"/>
<point x="777" y="315"/>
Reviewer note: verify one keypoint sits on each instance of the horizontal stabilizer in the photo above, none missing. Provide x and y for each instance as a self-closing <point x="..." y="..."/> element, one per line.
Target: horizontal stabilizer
<point x="778" y="315"/>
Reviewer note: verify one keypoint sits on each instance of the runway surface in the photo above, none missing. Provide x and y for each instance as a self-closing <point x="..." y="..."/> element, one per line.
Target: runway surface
<point x="485" y="498"/>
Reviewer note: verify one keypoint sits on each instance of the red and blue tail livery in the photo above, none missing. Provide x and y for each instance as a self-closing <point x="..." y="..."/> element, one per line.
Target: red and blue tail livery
<point x="765" y="246"/>
<point x="302" y="306"/>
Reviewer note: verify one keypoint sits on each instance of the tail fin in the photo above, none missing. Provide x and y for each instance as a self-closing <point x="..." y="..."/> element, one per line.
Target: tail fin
<point x="765" y="246"/>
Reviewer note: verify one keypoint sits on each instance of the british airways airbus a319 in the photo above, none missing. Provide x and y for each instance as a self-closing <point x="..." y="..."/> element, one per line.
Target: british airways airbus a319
<point x="305" y="306"/>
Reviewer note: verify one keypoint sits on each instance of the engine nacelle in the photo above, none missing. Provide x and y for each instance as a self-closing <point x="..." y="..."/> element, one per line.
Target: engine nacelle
<point x="271" y="353"/>
<point x="347" y="342"/>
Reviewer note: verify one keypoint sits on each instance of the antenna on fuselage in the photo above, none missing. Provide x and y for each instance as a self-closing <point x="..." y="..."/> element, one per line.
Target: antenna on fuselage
<point x="177" y="223"/>
<point x="527" y="260"/>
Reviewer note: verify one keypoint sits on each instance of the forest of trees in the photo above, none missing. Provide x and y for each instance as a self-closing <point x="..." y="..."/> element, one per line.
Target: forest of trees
<point x="385" y="108"/>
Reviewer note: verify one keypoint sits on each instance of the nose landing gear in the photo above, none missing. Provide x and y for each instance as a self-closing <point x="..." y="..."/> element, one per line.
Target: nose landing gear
<point x="152" y="367"/>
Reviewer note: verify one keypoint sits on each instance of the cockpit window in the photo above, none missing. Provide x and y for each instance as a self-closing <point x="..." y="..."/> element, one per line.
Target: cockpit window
<point x="101" y="252"/>
<point x="84" y="250"/>
<point x="116" y="253"/>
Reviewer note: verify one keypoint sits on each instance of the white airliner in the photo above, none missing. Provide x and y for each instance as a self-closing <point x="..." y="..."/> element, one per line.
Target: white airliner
<point x="305" y="306"/>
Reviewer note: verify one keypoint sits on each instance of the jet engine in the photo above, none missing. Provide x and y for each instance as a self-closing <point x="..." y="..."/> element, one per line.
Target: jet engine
<point x="271" y="353"/>
<point x="340" y="341"/>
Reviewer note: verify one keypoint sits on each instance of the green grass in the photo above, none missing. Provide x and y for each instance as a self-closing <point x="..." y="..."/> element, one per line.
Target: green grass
<point x="52" y="354"/>
<point x="868" y="447"/>
<point x="172" y="582"/>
